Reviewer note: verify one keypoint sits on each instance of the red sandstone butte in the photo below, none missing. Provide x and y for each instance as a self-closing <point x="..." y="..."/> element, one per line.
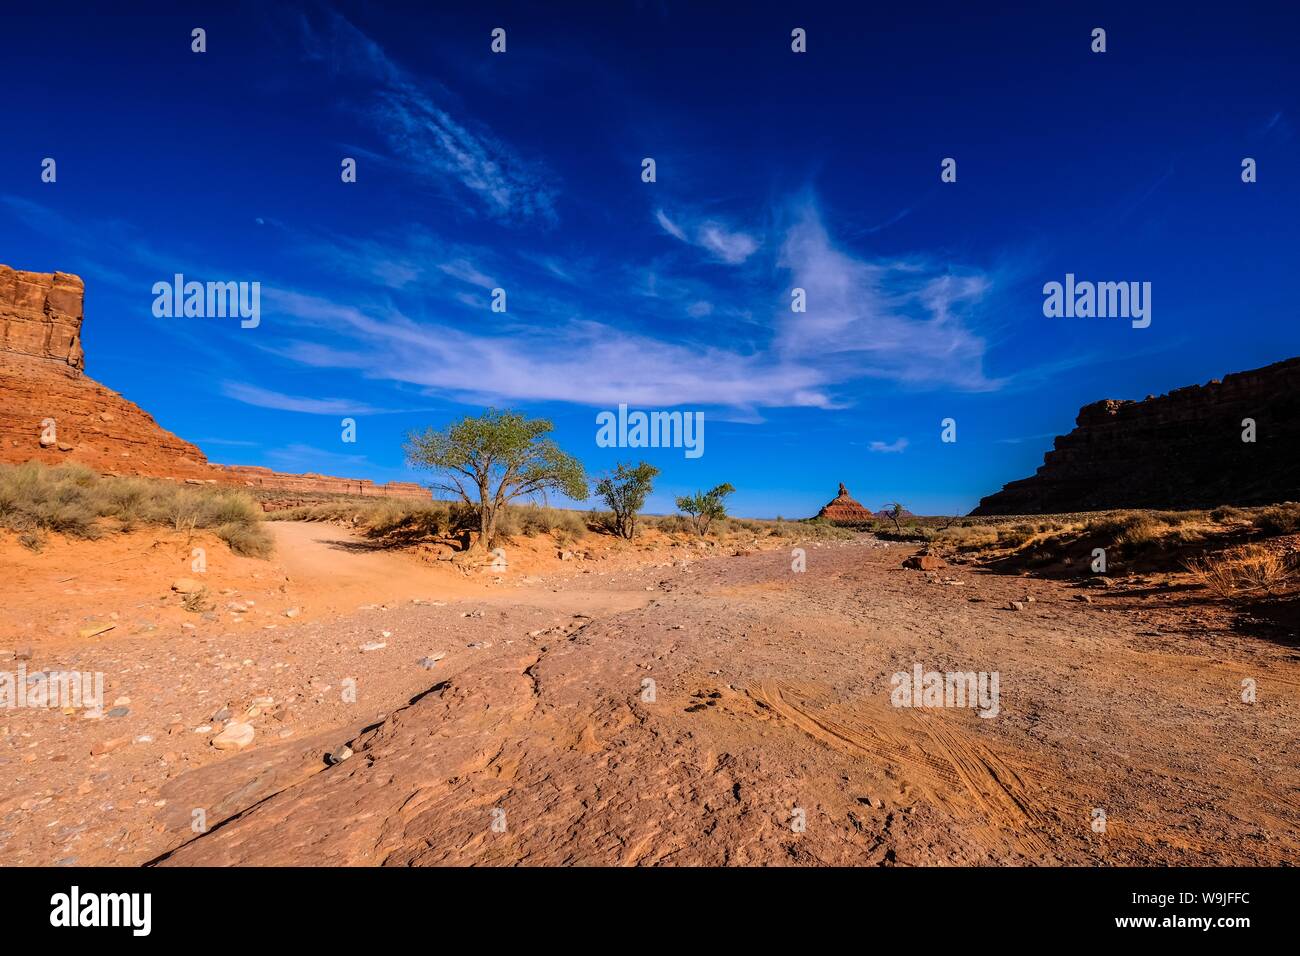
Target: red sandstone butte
<point x="42" y="377"/>
<point x="844" y="510"/>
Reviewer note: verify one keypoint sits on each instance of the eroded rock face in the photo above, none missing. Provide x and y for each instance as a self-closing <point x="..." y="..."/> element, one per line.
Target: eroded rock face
<point x="40" y="315"/>
<point x="53" y="413"/>
<point x="1181" y="450"/>
<point x="844" y="510"/>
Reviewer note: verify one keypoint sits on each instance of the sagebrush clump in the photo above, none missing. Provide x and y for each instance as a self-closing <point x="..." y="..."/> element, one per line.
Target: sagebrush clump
<point x="74" y="501"/>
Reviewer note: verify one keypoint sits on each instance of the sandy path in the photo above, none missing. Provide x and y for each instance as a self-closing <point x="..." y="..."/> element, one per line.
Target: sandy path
<point x="333" y="569"/>
<point x="770" y="736"/>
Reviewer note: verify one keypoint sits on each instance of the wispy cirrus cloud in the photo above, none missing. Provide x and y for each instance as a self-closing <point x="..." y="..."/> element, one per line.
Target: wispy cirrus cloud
<point x="729" y="245"/>
<point x="413" y="117"/>
<point x="904" y="321"/>
<point x="577" y="361"/>
<point x="266" y="398"/>
<point x="888" y="448"/>
<point x="466" y="272"/>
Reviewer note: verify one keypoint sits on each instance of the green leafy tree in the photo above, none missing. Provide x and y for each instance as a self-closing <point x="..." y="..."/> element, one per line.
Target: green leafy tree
<point x="486" y="461"/>
<point x="625" y="491"/>
<point x="705" y="507"/>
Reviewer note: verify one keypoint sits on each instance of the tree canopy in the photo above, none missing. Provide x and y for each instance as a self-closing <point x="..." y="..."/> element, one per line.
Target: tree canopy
<point x="488" y="460"/>
<point x="705" y="507"/>
<point x="625" y="491"/>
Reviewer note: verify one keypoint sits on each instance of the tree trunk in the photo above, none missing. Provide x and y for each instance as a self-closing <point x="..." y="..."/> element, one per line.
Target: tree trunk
<point x="486" y="519"/>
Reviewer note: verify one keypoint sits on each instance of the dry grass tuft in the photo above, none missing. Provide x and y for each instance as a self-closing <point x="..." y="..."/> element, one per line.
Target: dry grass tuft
<point x="1245" y="571"/>
<point x="74" y="501"/>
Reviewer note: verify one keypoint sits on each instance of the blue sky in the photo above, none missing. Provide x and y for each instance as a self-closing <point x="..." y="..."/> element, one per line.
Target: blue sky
<point x="775" y="170"/>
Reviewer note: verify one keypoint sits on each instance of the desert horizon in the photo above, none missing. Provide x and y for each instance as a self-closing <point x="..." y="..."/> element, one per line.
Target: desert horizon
<point x="725" y="438"/>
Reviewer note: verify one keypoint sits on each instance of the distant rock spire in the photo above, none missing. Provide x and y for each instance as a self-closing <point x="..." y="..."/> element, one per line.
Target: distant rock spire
<point x="844" y="510"/>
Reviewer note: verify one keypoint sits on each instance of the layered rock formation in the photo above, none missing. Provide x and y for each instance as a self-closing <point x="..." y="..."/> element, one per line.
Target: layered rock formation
<point x="50" y="411"/>
<point x="842" y="509"/>
<point x="253" y="476"/>
<point x="1181" y="450"/>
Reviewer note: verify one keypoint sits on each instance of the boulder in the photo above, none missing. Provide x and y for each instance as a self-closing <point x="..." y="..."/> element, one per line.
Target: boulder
<point x="235" y="736"/>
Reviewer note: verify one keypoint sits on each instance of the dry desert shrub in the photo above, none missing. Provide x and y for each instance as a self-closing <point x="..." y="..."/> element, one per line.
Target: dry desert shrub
<point x="1131" y="530"/>
<point x="1015" y="536"/>
<point x="1280" y="519"/>
<point x="250" y="540"/>
<point x="539" y="519"/>
<point x="71" y="500"/>
<point x="967" y="538"/>
<point x="673" y="524"/>
<point x="196" y="602"/>
<point x="1239" y="572"/>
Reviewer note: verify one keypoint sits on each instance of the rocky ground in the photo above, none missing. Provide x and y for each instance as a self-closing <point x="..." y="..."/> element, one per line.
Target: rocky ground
<point x="686" y="707"/>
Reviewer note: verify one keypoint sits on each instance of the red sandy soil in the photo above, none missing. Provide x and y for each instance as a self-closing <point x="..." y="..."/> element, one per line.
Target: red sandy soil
<point x="771" y="697"/>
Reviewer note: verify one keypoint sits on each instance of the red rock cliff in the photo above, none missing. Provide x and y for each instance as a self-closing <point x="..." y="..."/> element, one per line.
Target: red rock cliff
<point x="1181" y="450"/>
<point x="41" y="380"/>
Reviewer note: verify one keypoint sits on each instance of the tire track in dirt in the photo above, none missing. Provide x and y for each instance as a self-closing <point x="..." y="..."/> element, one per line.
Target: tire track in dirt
<point x="955" y="772"/>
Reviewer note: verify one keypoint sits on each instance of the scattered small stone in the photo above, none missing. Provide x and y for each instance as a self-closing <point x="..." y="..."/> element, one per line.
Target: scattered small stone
<point x="338" y="755"/>
<point x="186" y="586"/>
<point x="428" y="662"/>
<point x="1017" y="606"/>
<point x="292" y="612"/>
<point x="119" y="712"/>
<point x="373" y="646"/>
<point x="108" y="746"/>
<point x="235" y="736"/>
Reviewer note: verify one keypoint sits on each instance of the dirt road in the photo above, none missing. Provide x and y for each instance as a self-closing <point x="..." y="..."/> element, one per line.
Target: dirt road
<point x="745" y="716"/>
